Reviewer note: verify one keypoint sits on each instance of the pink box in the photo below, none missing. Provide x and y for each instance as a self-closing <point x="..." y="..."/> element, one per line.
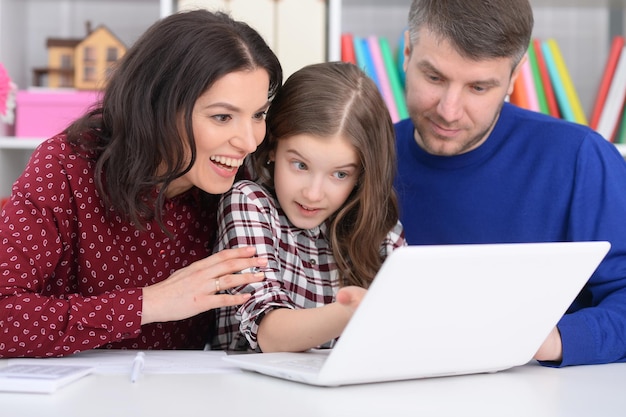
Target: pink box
<point x="45" y="113"/>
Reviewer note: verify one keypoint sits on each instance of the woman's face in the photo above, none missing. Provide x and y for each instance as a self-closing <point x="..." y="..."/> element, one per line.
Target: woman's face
<point x="228" y="124"/>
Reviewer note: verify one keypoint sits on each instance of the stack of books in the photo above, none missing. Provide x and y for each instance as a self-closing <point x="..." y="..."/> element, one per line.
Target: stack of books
<point x="544" y="85"/>
<point x="376" y="58"/>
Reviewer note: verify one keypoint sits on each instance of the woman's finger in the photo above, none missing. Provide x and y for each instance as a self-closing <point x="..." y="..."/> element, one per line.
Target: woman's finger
<point x="226" y="282"/>
<point x="229" y="261"/>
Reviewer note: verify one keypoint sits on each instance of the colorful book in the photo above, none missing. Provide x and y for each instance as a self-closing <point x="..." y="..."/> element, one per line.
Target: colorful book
<point x="565" y="106"/>
<point x="612" y="110"/>
<point x="383" y="79"/>
<point x="529" y="84"/>
<point x="553" y="107"/>
<point x="347" y="48"/>
<point x="541" y="94"/>
<point x="394" y="78"/>
<point x="400" y="60"/>
<point x="364" y="58"/>
<point x="518" y="96"/>
<point x="609" y="70"/>
<point x="570" y="92"/>
<point x="358" y="52"/>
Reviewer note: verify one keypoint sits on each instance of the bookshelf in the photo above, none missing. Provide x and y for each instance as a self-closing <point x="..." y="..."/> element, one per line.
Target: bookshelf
<point x="577" y="25"/>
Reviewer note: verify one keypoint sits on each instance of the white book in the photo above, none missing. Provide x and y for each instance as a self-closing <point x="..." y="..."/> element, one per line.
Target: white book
<point x="612" y="110"/>
<point x="39" y="378"/>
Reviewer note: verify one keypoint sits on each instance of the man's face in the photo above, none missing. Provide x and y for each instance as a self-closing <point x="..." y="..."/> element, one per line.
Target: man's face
<point x="453" y="101"/>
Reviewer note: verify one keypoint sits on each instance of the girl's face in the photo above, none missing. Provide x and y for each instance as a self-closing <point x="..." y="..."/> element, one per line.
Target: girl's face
<point x="228" y="124"/>
<point x="314" y="176"/>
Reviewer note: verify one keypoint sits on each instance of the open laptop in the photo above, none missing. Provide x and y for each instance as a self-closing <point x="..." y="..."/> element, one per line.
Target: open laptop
<point x="446" y="310"/>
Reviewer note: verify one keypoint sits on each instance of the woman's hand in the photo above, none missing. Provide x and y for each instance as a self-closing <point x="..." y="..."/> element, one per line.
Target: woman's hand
<point x="192" y="290"/>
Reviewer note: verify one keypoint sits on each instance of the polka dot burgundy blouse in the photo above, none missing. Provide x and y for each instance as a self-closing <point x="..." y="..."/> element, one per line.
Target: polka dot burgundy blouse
<point x="71" y="277"/>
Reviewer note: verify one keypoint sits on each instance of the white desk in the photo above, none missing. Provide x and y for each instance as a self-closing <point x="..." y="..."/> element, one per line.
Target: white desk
<point x="529" y="391"/>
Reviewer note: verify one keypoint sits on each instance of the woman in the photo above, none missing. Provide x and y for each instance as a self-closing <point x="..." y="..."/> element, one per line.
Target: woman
<point x="106" y="240"/>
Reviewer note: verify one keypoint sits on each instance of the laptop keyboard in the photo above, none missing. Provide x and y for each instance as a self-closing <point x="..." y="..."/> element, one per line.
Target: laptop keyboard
<point x="310" y="364"/>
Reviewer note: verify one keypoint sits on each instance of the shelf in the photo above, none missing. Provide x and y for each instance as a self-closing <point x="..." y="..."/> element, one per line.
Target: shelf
<point x="25" y="25"/>
<point x="10" y="142"/>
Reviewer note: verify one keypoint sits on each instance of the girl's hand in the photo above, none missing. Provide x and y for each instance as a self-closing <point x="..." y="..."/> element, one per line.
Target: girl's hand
<point x="192" y="290"/>
<point x="350" y="297"/>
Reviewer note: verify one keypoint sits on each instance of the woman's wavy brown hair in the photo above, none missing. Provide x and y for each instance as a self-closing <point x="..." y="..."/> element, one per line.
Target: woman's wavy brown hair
<point x="337" y="98"/>
<point x="136" y="131"/>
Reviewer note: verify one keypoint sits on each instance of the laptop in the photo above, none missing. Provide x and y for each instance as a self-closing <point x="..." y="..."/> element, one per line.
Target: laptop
<point x="446" y="310"/>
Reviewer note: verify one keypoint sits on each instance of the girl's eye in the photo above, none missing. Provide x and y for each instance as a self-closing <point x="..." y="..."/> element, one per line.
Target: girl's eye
<point x="301" y="166"/>
<point x="340" y="175"/>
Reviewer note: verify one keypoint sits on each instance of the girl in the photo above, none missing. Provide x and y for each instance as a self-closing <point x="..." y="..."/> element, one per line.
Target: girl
<point x="323" y="211"/>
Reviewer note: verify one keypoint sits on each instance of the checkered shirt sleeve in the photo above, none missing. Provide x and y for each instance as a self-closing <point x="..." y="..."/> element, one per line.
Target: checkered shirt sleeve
<point x="301" y="271"/>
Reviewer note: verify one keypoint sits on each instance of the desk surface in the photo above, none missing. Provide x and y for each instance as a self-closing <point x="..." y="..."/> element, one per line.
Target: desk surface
<point x="529" y="390"/>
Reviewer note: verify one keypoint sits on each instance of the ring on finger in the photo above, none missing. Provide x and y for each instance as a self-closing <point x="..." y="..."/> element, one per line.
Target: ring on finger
<point x="217" y="285"/>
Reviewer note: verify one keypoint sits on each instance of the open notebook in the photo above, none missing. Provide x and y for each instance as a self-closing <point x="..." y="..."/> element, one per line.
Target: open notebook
<point x="447" y="310"/>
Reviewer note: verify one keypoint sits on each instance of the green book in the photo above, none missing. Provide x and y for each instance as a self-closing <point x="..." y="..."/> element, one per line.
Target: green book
<point x="394" y="78"/>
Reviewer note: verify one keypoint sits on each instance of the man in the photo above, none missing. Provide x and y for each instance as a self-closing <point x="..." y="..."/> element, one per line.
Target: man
<point x="475" y="169"/>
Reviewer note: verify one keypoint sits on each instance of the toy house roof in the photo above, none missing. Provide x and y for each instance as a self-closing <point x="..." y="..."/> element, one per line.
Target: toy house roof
<point x="73" y="42"/>
<point x="99" y="27"/>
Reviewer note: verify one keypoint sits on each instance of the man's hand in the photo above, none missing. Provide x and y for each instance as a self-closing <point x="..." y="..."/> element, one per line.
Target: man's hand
<point x="552" y="348"/>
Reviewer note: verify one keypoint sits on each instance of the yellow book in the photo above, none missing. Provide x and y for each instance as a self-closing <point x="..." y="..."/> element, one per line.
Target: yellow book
<point x="570" y="91"/>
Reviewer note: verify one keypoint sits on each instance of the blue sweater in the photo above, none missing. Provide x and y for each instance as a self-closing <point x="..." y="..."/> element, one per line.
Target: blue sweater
<point x="535" y="179"/>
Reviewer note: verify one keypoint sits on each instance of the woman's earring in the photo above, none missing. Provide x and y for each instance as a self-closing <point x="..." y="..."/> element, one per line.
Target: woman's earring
<point x="268" y="162"/>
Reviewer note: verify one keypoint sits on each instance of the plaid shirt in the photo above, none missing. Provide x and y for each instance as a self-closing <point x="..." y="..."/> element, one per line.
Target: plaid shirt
<point x="301" y="270"/>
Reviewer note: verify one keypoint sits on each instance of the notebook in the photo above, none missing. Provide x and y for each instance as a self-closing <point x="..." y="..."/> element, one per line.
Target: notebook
<point x="446" y="310"/>
<point x="40" y="378"/>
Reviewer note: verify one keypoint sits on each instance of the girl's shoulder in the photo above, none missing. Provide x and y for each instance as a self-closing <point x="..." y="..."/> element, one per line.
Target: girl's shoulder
<point x="249" y="192"/>
<point x="395" y="237"/>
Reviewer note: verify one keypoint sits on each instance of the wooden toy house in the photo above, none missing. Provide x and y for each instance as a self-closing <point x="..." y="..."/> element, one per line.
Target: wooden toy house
<point x="83" y="64"/>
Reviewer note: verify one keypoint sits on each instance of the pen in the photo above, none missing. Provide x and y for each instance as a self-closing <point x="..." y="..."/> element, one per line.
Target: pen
<point x="137" y="366"/>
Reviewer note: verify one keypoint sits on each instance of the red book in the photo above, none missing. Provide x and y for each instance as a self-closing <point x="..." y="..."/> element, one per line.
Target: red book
<point x="553" y="107"/>
<point x="347" y="48"/>
<point x="609" y="70"/>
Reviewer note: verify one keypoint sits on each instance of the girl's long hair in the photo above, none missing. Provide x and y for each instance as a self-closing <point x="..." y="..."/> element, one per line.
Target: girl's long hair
<point x="337" y="98"/>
